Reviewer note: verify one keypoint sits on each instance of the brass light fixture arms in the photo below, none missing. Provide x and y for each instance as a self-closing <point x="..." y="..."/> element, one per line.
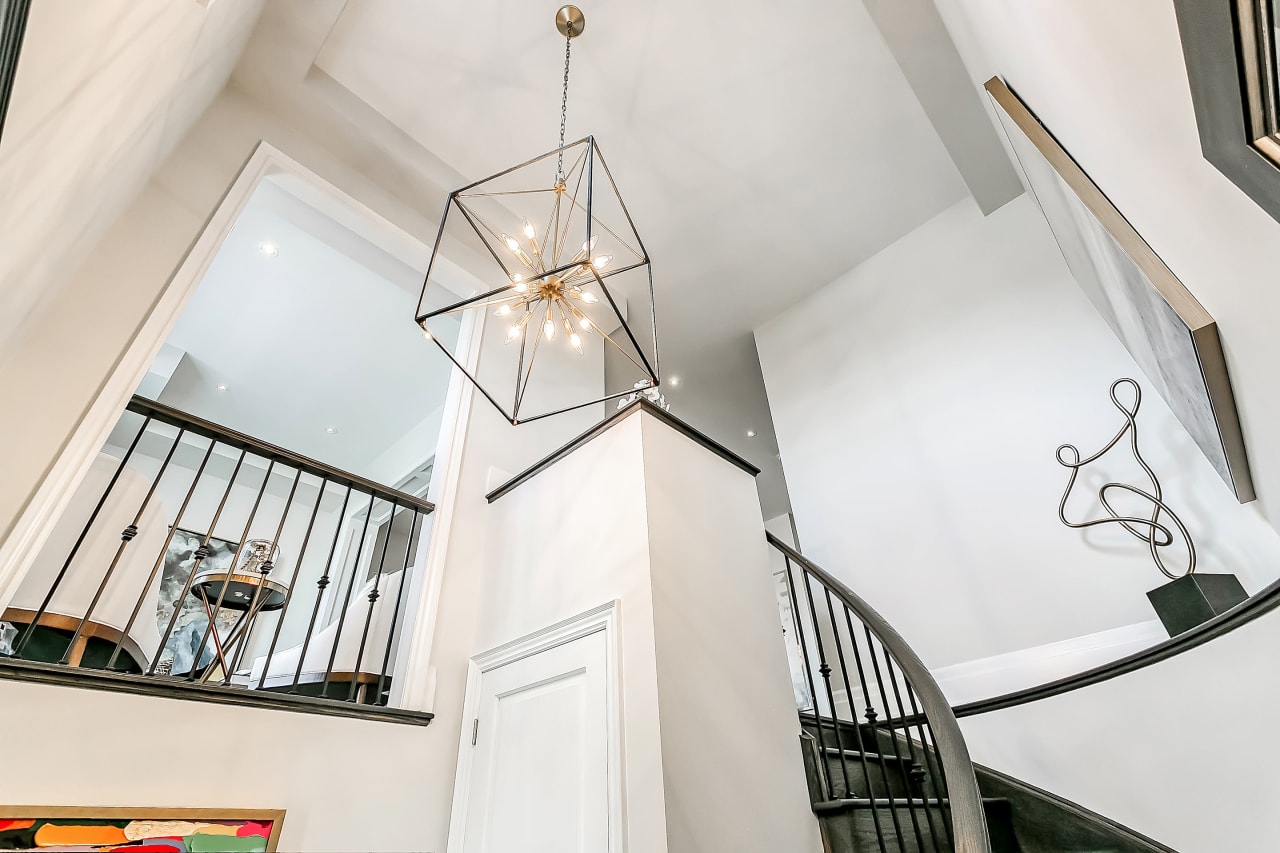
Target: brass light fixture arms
<point x="1149" y="530"/>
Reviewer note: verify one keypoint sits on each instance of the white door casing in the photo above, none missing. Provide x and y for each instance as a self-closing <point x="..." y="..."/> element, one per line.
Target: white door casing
<point x="539" y="766"/>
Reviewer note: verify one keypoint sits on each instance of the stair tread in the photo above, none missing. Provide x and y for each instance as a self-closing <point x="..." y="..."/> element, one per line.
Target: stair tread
<point x="849" y="803"/>
<point x="869" y="756"/>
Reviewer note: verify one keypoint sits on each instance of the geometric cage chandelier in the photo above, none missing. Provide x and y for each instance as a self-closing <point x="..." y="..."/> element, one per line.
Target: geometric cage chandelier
<point x="544" y="262"/>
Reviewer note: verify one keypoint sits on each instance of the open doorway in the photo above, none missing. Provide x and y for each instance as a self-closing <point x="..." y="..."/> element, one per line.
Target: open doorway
<point x="257" y="515"/>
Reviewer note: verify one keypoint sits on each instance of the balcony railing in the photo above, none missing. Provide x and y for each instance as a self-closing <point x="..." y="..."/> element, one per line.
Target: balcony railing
<point x="198" y="561"/>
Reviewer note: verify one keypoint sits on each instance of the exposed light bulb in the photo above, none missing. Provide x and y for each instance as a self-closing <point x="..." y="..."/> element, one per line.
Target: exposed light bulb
<point x="575" y="340"/>
<point x="528" y="229"/>
<point x="503" y="310"/>
<point x="602" y="261"/>
<point x="589" y="298"/>
<point x="549" y="329"/>
<point x="513" y="332"/>
<point x="521" y="287"/>
<point x="511" y="242"/>
<point x="585" y="324"/>
<point x="586" y="250"/>
<point x="426" y="335"/>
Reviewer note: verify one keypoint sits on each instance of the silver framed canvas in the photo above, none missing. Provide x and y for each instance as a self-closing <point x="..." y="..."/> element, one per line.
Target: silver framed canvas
<point x="179" y="652"/>
<point x="1169" y="334"/>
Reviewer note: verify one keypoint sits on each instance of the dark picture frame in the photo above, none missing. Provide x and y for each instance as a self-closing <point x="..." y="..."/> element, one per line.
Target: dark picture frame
<point x="1213" y="34"/>
<point x="13" y="28"/>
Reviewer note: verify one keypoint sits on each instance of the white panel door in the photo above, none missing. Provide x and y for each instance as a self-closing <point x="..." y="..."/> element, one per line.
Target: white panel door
<point x="540" y="771"/>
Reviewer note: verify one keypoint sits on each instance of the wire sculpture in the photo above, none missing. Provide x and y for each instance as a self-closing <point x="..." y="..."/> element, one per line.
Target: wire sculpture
<point x="1149" y="530"/>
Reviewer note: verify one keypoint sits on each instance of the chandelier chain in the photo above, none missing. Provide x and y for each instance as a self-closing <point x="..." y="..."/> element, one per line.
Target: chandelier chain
<point x="564" y="108"/>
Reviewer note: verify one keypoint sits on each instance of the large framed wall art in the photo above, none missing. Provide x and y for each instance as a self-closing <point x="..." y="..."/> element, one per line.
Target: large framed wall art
<point x="1168" y="332"/>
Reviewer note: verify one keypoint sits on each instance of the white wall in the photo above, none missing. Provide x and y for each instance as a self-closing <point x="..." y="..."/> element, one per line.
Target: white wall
<point x="1109" y="82"/>
<point x="727" y="706"/>
<point x="104" y="92"/>
<point x="918" y="402"/>
<point x="1183" y="751"/>
<point x="344" y="784"/>
<point x="643" y="515"/>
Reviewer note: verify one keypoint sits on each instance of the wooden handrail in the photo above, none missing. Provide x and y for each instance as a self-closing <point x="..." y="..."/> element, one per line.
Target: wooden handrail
<point x="969" y="823"/>
<point x="1242" y="614"/>
<point x="232" y="438"/>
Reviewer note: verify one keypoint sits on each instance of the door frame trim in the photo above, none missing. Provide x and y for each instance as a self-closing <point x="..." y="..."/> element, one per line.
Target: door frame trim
<point x="603" y="618"/>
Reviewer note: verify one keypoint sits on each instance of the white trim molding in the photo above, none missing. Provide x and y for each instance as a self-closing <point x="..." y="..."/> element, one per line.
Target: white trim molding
<point x="603" y="618"/>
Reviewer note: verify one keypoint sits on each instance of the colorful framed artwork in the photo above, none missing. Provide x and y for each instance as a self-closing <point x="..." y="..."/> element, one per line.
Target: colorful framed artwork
<point x="1170" y="335"/>
<point x="89" y="829"/>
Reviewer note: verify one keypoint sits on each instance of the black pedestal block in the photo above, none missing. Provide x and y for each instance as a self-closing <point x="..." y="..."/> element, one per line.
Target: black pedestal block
<point x="1192" y="599"/>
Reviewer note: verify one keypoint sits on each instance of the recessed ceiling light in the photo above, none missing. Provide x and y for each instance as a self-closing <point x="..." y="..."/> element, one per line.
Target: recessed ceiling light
<point x="222" y="387"/>
<point x="331" y="430"/>
<point x="751" y="433"/>
<point x="673" y="381"/>
<point x="269" y="249"/>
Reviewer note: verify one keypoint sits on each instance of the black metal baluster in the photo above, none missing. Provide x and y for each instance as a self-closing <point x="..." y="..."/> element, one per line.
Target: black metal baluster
<point x="825" y="670"/>
<point x="321" y="584"/>
<point x="395" y="614"/>
<point x="917" y="769"/>
<point x="30" y="630"/>
<point x="871" y="722"/>
<point x="226" y="580"/>
<point x="848" y="692"/>
<point x="934" y="766"/>
<point x="297" y="569"/>
<point x="893" y="738"/>
<point x="164" y="549"/>
<point x="263" y="571"/>
<point x="808" y="674"/>
<point x="346" y="599"/>
<point x="373" y="599"/>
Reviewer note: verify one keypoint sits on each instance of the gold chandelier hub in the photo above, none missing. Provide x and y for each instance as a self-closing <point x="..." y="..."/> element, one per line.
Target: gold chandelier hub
<point x="551" y="288"/>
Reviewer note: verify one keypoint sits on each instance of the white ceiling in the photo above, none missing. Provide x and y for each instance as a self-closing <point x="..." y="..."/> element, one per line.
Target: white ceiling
<point x="762" y="152"/>
<point x="312" y="338"/>
<point x="758" y="163"/>
<point x="104" y="91"/>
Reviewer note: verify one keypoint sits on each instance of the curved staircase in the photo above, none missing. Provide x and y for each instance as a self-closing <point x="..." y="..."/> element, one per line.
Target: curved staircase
<point x="887" y="767"/>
